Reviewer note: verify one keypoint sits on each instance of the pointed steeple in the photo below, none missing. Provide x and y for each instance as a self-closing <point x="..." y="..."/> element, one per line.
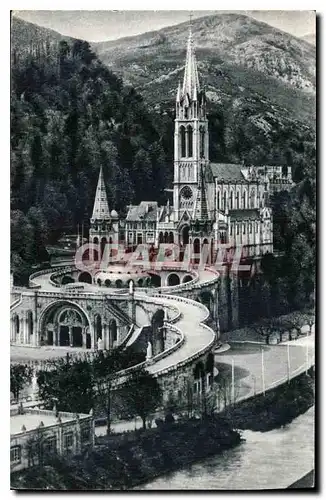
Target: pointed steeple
<point x="179" y="92"/>
<point x="101" y="206"/>
<point x="190" y="80"/>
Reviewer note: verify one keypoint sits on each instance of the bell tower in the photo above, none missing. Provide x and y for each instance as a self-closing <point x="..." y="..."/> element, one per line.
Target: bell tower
<point x="190" y="136"/>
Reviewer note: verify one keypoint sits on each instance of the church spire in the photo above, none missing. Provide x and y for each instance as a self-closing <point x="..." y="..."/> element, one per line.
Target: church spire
<point x="190" y="80"/>
<point x="101" y="206"/>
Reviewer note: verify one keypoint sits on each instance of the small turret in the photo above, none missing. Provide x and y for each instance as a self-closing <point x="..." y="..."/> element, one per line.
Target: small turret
<point x="101" y="207"/>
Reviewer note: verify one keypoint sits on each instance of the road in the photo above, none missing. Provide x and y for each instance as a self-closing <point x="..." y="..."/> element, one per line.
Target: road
<point x="248" y="370"/>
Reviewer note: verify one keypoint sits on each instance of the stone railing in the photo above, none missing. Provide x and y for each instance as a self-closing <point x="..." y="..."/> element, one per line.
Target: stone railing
<point x="35" y="275"/>
<point x="16" y="302"/>
<point x="154" y="359"/>
<point x="59" y="272"/>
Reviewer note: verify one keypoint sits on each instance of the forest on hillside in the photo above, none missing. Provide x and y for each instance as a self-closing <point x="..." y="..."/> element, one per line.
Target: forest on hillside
<point x="70" y="115"/>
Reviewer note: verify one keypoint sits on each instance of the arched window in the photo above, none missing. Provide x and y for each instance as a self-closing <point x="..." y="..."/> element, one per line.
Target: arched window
<point x="103" y="243"/>
<point x="189" y="131"/>
<point x="98" y="326"/>
<point x="250" y="228"/>
<point x="113" y="331"/>
<point x="218" y="200"/>
<point x="202" y="142"/>
<point x="231" y="200"/>
<point x="237" y="200"/>
<point x="252" y="198"/>
<point x="224" y="200"/>
<point x="160" y="238"/>
<point x="183" y="141"/>
<point x="171" y="237"/>
<point x="166" y="237"/>
<point x="244" y="199"/>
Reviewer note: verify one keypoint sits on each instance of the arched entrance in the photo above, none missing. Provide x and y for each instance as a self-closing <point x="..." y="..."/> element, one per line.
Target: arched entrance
<point x="187" y="278"/>
<point x="103" y="243"/>
<point x="70" y="328"/>
<point x="173" y="279"/>
<point x="98" y="327"/>
<point x="30" y="326"/>
<point x="67" y="279"/>
<point x="113" y="332"/>
<point x="15" y="328"/>
<point x="185" y="235"/>
<point x="64" y="324"/>
<point x="85" y="278"/>
<point x="156" y="280"/>
<point x="196" y="247"/>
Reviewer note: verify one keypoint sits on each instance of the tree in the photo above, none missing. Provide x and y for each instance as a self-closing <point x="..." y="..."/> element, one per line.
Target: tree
<point x="20" y="376"/>
<point x="267" y="327"/>
<point x="143" y="394"/>
<point x="104" y="366"/>
<point x="68" y="385"/>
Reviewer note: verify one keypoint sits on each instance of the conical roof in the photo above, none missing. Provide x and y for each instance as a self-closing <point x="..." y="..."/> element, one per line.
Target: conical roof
<point x="101" y="206"/>
<point x="190" y="80"/>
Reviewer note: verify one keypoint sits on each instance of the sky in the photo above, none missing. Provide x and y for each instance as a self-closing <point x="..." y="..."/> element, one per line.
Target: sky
<point x="109" y="25"/>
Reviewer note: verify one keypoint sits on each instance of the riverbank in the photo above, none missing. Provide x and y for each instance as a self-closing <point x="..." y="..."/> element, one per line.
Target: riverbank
<point x="124" y="461"/>
<point x="278" y="407"/>
<point x="121" y="462"/>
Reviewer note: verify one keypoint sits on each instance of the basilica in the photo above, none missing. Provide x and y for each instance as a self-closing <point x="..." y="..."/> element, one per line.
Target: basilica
<point x="213" y="203"/>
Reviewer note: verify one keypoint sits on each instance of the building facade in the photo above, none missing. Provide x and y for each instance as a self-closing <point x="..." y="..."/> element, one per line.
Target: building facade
<point x="213" y="203"/>
<point x="36" y="433"/>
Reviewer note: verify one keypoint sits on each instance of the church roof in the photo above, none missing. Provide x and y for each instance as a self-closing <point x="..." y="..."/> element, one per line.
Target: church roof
<point x="145" y="211"/>
<point x="101" y="206"/>
<point x="247" y="214"/>
<point x="228" y="172"/>
<point x="167" y="210"/>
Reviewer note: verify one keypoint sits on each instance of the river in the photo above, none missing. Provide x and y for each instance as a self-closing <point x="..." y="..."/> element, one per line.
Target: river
<point x="265" y="460"/>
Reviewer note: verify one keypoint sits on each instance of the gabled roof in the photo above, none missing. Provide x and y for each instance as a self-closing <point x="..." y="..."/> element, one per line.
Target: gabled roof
<point x="145" y="211"/>
<point x="167" y="210"/>
<point x="101" y="206"/>
<point x="247" y="214"/>
<point x="228" y="172"/>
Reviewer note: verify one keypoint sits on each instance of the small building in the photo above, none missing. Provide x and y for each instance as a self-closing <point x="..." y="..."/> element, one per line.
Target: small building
<point x="36" y="433"/>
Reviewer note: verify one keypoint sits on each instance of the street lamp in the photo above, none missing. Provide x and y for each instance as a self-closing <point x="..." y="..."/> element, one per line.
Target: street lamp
<point x="254" y="381"/>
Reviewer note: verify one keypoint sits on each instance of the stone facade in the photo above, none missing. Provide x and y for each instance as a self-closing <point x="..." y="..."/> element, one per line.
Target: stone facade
<point x="213" y="203"/>
<point x="34" y="432"/>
